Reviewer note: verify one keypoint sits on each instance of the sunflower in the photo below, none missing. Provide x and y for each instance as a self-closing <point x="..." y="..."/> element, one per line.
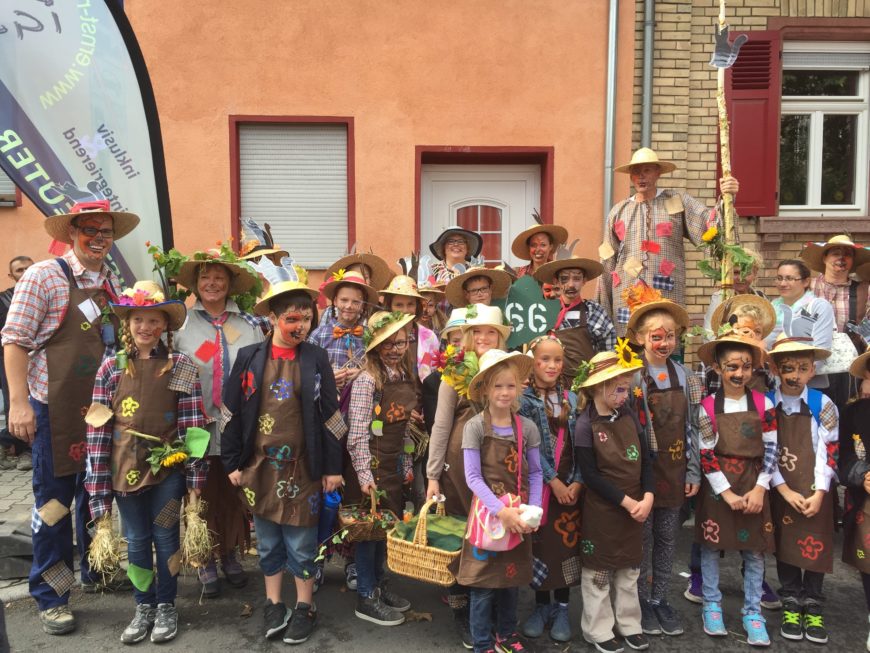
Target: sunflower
<point x="628" y="359"/>
<point x="174" y="458"/>
<point x="710" y="234"/>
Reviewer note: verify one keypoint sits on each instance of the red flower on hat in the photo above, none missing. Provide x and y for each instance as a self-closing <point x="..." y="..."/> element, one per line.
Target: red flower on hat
<point x="810" y="547"/>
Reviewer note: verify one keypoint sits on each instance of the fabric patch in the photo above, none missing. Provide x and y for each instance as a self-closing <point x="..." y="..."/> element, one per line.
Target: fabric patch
<point x="663" y="282"/>
<point x="605" y="251"/>
<point x="622" y="315"/>
<point x="457" y="601"/>
<point x="614" y="278"/>
<point x="633" y="266"/>
<point x="251" y="496"/>
<point x="540" y="571"/>
<point x="98" y="414"/>
<point x="281" y="389"/>
<point x="169" y="516"/>
<point x="650" y="246"/>
<point x="184" y="375"/>
<point x="619" y="229"/>
<point x="140" y="577"/>
<point x="666" y="267"/>
<point x="249" y="385"/>
<point x="206" y="351"/>
<point x="225" y="417"/>
<point x="664" y="229"/>
<point x="133" y="476"/>
<point x="571" y="570"/>
<point x="35" y="520"/>
<point x="231" y="333"/>
<point x="336" y="425"/>
<point x="77" y="450"/>
<point x="601" y="579"/>
<point x="174" y="563"/>
<point x="52" y="512"/>
<point x="59" y="577"/>
<point x="279" y="456"/>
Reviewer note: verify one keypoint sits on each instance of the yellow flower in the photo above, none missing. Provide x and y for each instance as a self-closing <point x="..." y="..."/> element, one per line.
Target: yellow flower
<point x="174" y="458"/>
<point x="710" y="234"/>
<point x="129" y="406"/>
<point x="638" y="392"/>
<point x="267" y="422"/>
<point x="627" y="357"/>
<point x="338" y="275"/>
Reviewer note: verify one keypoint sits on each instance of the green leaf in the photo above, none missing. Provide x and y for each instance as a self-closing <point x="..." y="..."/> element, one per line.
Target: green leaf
<point x="336" y="539"/>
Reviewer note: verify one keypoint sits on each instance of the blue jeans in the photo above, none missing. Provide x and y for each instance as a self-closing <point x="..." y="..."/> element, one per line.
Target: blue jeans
<point x="53" y="545"/>
<point x="753" y="578"/>
<point x="480" y="615"/>
<point x="138" y="515"/>
<point x="283" y="547"/>
<point x="370" y="558"/>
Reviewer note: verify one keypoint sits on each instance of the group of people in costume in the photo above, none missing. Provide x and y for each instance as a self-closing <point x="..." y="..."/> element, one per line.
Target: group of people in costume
<point x="587" y="445"/>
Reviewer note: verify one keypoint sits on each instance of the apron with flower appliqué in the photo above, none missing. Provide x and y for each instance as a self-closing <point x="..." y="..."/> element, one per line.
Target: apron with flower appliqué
<point x="453" y="486"/>
<point x="277" y="485"/>
<point x="499" y="461"/>
<point x="740" y="452"/>
<point x="800" y="541"/>
<point x="611" y="539"/>
<point x="143" y="402"/>
<point x="668" y="408"/>
<point x="578" y="345"/>
<point x="386" y="444"/>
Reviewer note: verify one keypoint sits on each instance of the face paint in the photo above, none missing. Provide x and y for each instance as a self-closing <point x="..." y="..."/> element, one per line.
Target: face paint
<point x="392" y="350"/>
<point x="736" y="371"/>
<point x="746" y="326"/>
<point x="91" y="250"/>
<point x="540" y="248"/>
<point x="146" y="327"/>
<point x="570" y="283"/>
<point x="291" y="327"/>
<point x="549" y="361"/>
<point x="794" y="374"/>
<point x="615" y="392"/>
<point x="660" y="343"/>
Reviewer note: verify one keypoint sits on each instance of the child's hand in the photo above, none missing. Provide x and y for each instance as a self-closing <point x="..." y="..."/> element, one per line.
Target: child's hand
<point x="794" y="499"/>
<point x="235" y="477"/>
<point x="642" y="508"/>
<point x="416" y="416"/>
<point x="510" y="519"/>
<point x="352" y="374"/>
<point x="754" y="500"/>
<point x="574" y="492"/>
<point x="332" y="482"/>
<point x="628" y="503"/>
<point x="433" y="489"/>
<point x="560" y="490"/>
<point x="692" y="489"/>
<point x="367" y="488"/>
<point x="340" y="378"/>
<point x="813" y="504"/>
<point x="734" y="501"/>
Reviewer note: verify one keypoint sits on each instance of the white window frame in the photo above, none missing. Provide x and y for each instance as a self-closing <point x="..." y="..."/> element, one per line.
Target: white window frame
<point x="817" y="108"/>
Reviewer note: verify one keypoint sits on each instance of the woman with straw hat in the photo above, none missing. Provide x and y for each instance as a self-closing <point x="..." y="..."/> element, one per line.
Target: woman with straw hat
<point x="538" y="245"/>
<point x="454" y="246"/>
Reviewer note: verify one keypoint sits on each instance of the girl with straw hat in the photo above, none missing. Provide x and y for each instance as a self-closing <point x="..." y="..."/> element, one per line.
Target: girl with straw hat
<point x="537" y="245"/>
<point x="617" y="470"/>
<point x="134" y="391"/>
<point x="401" y="295"/>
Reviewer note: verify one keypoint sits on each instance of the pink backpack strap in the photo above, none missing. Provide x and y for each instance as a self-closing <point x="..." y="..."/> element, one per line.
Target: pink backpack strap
<point x="519" y="426"/>
<point x="758" y="400"/>
<point x="708" y="405"/>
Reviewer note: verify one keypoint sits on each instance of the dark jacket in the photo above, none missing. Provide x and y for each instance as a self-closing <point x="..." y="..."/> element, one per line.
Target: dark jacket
<point x="322" y="422"/>
<point x="854" y="419"/>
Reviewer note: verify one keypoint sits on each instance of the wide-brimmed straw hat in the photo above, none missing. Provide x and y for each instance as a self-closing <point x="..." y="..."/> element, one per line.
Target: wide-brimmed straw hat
<point x="813" y="254"/>
<point x="607" y="365"/>
<point x="645" y="156"/>
<point x="500" y="281"/>
<point x="257" y="241"/>
<point x="520" y="247"/>
<point x="57" y="226"/>
<point x="474" y="240"/>
<point x="147" y="295"/>
<point x="380" y="272"/>
<point x="454" y="322"/>
<point x="350" y="277"/>
<point x="641" y="298"/>
<point x="861" y="365"/>
<point x="707" y="351"/>
<point x="242" y="278"/>
<point x="483" y="315"/>
<point x="382" y="324"/>
<point x="548" y="271"/>
<point x="283" y="279"/>
<point x="797" y="344"/>
<point x="402" y="285"/>
<point x="494" y="361"/>
<point x="728" y="309"/>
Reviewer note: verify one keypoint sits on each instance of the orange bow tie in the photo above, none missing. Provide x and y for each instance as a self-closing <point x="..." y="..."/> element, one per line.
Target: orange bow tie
<point x="338" y="332"/>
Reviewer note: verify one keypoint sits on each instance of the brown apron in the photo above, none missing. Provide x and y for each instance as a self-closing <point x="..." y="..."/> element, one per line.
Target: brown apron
<point x="578" y="347"/>
<point x="276" y="484"/>
<point x="802" y="542"/>
<point x="143" y="403"/>
<point x="453" y="485"/>
<point x="73" y="355"/>
<point x="611" y="539"/>
<point x="740" y="451"/>
<point x="491" y="569"/>
<point x="668" y="409"/>
<point x="856" y="539"/>
<point x="556" y="544"/>
<point x="398" y="399"/>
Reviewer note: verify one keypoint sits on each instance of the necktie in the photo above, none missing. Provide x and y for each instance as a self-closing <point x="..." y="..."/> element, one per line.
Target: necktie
<point x="221" y="359"/>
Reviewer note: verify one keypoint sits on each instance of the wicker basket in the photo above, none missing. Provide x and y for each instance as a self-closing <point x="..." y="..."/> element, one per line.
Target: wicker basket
<point x="365" y="528"/>
<point x="417" y="560"/>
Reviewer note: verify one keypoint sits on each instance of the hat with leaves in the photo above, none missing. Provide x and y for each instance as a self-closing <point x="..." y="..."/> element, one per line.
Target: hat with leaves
<point x="379" y="272"/>
<point x="641" y="299"/>
<point x="482" y="315"/>
<point x="285" y="278"/>
<point x="242" y="277"/>
<point x="382" y="324"/>
<point x="565" y="260"/>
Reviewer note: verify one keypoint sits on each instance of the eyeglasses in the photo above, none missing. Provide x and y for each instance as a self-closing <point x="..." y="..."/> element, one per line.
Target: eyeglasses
<point x="91" y="232"/>
<point x="455" y="241"/>
<point x="480" y="290"/>
<point x="787" y="279"/>
<point x="396" y="344"/>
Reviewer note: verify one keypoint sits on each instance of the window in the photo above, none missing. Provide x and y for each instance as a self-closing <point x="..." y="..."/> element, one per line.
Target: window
<point x="485" y="220"/>
<point x="7" y="190"/>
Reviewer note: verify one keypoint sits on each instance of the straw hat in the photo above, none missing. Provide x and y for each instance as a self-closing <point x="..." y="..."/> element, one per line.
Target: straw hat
<point x="242" y="279"/>
<point x="520" y="246"/>
<point x="380" y="271"/>
<point x="257" y="241"/>
<point x="861" y="365"/>
<point x="455" y="321"/>
<point x="728" y="309"/>
<point x="354" y="278"/>
<point x="645" y="156"/>
<point x="608" y="365"/>
<point x="707" y="351"/>
<point x="548" y="271"/>
<point x="402" y="285"/>
<point x="147" y="295"/>
<point x="814" y="253"/>
<point x="382" y="324"/>
<point x="499" y="279"/>
<point x="797" y="344"/>
<point x="475" y="242"/>
<point x="641" y="298"/>
<point x="483" y="315"/>
<point x="494" y="361"/>
<point x="285" y="278"/>
<point x="57" y="226"/>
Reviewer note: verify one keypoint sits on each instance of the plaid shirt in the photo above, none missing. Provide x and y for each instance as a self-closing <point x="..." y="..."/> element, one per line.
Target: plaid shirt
<point x="38" y="307"/>
<point x="340" y="350"/>
<point x="185" y="383"/>
<point x="648" y="226"/>
<point x="600" y="326"/>
<point x="838" y="295"/>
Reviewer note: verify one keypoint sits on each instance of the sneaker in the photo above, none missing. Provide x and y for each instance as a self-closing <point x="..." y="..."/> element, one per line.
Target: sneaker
<point x="510" y="644"/>
<point x="668" y="619"/>
<point x="58" y="620"/>
<point x="373" y="609"/>
<point x="318" y="577"/>
<point x="769" y="599"/>
<point x="537" y="622"/>
<point x="233" y="571"/>
<point x="791" y="621"/>
<point x="561" y="628"/>
<point x="141" y="624"/>
<point x="610" y="646"/>
<point x="463" y="629"/>
<point x="350" y="576"/>
<point x="814" y="624"/>
<point x="301" y="624"/>
<point x="393" y="600"/>
<point x="25" y="462"/>
<point x="165" y="623"/>
<point x="649" y="623"/>
<point x="637" y="642"/>
<point x="713" y="623"/>
<point x="275" y="618"/>
<point x="756" y="632"/>
<point x="693" y="589"/>
<point x="6" y="461"/>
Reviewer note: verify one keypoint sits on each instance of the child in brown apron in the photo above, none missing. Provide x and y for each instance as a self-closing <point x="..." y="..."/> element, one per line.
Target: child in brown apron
<point x="803" y="509"/>
<point x="737" y="428"/>
<point x="556" y="545"/>
<point x="147" y="388"/>
<point x="667" y="395"/>
<point x="501" y="452"/>
<point x="617" y="472"/>
<point x="382" y="400"/>
<point x="281" y="444"/>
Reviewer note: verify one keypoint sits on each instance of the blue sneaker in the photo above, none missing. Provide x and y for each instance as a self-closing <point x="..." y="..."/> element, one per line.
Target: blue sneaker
<point x="561" y="629"/>
<point x="538" y="620"/>
<point x="713" y="623"/>
<point x="756" y="632"/>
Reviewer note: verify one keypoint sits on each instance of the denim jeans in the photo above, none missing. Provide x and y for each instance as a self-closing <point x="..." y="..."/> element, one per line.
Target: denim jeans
<point x="139" y="514"/>
<point x="283" y="547"/>
<point x="753" y="578"/>
<point x="370" y="558"/>
<point x="480" y="615"/>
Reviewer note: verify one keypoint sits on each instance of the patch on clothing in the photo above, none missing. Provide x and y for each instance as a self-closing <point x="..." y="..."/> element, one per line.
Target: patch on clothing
<point x="140" y="577"/>
<point x="85" y="366"/>
<point x="267" y="423"/>
<point x="622" y="315"/>
<point x="174" y="563"/>
<point x="457" y="601"/>
<point x="336" y="425"/>
<point x="282" y="389"/>
<point x="540" y="571"/>
<point x="35" y="520"/>
<point x="498" y="488"/>
<point x="52" y="512"/>
<point x="225" y="417"/>
<point x="98" y="414"/>
<point x="231" y="333"/>
<point x="601" y="579"/>
<point x="169" y="516"/>
<point x="129" y="406"/>
<point x="571" y="570"/>
<point x="663" y="282"/>
<point x="206" y="351"/>
<point x="59" y="577"/>
<point x="184" y="376"/>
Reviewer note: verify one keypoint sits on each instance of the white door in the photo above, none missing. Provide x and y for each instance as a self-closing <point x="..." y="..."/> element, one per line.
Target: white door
<point x="496" y="201"/>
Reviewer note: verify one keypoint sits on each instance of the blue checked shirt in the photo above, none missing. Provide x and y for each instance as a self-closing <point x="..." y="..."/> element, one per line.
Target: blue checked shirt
<point x="340" y="350"/>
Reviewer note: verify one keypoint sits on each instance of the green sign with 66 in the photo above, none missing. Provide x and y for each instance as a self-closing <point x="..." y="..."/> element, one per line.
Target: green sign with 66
<point x="529" y="314"/>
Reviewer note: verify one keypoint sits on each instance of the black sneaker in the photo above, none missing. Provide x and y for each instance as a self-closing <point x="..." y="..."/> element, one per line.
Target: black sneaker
<point x="165" y="623"/>
<point x="791" y="620"/>
<point x="301" y="624"/>
<point x="814" y="624"/>
<point x="649" y="623"/>
<point x="275" y="618"/>
<point x="668" y="619"/>
<point x="142" y="622"/>
<point x="637" y="642"/>
<point x="393" y="600"/>
<point x="610" y="646"/>
<point x="463" y="629"/>
<point x="374" y="610"/>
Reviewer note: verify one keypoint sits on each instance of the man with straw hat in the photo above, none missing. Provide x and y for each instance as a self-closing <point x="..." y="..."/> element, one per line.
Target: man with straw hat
<point x="56" y="334"/>
<point x="643" y="235"/>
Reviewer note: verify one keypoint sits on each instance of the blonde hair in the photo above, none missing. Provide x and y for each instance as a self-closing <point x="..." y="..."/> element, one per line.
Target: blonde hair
<point x="468" y="338"/>
<point x="375" y="366"/>
<point x="490" y="382"/>
<point x="655" y="320"/>
<point x="132" y="351"/>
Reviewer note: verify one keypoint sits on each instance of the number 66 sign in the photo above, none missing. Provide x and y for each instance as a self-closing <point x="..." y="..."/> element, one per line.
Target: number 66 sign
<point x="530" y="315"/>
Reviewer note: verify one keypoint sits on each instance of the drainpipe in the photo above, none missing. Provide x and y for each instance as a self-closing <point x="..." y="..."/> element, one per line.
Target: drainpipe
<point x="610" y="105"/>
<point x="649" y="13"/>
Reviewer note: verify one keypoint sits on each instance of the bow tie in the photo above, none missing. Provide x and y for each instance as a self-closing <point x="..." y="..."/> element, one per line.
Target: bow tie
<point x="338" y="332"/>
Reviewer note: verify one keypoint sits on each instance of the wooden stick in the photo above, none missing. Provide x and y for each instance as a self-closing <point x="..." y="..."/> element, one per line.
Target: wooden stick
<point x="729" y="236"/>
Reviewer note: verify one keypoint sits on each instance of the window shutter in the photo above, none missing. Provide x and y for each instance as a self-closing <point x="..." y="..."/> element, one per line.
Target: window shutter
<point x="7" y="190"/>
<point x="753" y="86"/>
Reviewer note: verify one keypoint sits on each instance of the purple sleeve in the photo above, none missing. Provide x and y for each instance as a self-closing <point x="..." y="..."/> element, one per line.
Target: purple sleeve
<point x="476" y="482"/>
<point x="536" y="476"/>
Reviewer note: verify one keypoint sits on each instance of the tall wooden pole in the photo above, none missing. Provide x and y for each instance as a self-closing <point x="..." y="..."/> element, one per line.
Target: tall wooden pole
<point x="729" y="226"/>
